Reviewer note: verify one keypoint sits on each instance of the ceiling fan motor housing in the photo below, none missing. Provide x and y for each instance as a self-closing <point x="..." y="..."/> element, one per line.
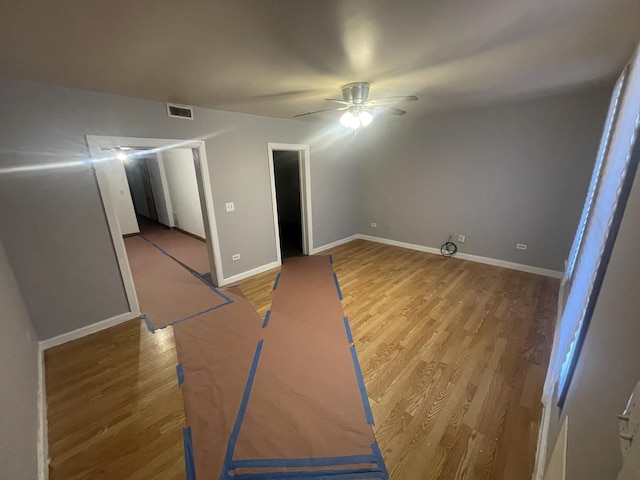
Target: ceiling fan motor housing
<point x="356" y="93"/>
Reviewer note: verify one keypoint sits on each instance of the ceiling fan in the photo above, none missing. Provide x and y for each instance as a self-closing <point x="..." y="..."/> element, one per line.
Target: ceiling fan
<point x="359" y="109"/>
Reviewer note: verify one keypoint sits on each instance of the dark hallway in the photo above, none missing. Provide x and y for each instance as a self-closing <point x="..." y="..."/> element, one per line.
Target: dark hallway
<point x="286" y="167"/>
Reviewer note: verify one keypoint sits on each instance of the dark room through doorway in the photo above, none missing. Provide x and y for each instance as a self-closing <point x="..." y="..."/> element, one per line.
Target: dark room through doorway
<point x="286" y="167"/>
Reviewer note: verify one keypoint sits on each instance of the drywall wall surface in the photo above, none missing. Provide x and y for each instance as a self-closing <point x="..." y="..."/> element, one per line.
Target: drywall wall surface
<point x="180" y="173"/>
<point x="502" y="175"/>
<point x="121" y="197"/>
<point x="609" y="364"/>
<point x="19" y="415"/>
<point x="53" y="224"/>
<point x="58" y="244"/>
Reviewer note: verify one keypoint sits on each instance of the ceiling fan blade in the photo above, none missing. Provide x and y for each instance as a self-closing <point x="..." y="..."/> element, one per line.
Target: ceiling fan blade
<point x="320" y="111"/>
<point x="337" y="101"/>
<point x="408" y="98"/>
<point x="389" y="110"/>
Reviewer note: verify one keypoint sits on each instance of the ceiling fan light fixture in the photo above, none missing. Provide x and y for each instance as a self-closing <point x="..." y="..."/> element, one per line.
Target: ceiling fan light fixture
<point x="365" y="118"/>
<point x="349" y="120"/>
<point x="355" y="119"/>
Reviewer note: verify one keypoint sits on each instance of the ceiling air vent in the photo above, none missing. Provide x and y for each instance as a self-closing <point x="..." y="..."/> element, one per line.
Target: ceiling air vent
<point x="180" y="111"/>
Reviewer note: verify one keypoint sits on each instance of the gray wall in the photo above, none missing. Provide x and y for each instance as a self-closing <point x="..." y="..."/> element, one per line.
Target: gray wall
<point x="609" y="364"/>
<point x="53" y="224"/>
<point x="501" y="175"/>
<point x="18" y="382"/>
<point x="182" y="183"/>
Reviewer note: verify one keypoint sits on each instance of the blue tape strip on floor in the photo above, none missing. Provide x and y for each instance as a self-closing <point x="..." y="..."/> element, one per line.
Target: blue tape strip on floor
<point x="378" y="454"/>
<point x="368" y="473"/>
<point x="266" y="319"/>
<point x="348" y="329"/>
<point x="331" y="259"/>
<point x="180" y="374"/>
<point x="335" y="280"/>
<point x="148" y="323"/>
<point x="233" y="438"/>
<point x="275" y="284"/>
<point x="304" y="462"/>
<point x="363" y="389"/>
<point x="189" y="464"/>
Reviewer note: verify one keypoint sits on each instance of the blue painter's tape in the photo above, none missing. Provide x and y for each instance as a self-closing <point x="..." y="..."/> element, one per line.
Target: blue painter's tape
<point x="233" y="438"/>
<point x="275" y="285"/>
<point x="380" y="460"/>
<point x="363" y="389"/>
<point x="366" y="473"/>
<point x="304" y="462"/>
<point x="189" y="464"/>
<point x="211" y="287"/>
<point x="348" y="329"/>
<point x="331" y="259"/>
<point x="335" y="280"/>
<point x="266" y="319"/>
<point x="180" y="374"/>
<point x="148" y="323"/>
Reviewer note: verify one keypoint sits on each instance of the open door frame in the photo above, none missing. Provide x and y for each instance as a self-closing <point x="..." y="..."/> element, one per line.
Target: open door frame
<point x="305" y="194"/>
<point x="101" y="150"/>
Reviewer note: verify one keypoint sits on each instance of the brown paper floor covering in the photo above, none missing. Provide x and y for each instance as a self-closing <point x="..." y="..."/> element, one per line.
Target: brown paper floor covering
<point x="167" y="292"/>
<point x="279" y="397"/>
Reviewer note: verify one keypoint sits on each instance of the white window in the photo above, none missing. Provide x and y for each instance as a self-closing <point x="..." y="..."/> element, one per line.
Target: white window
<point x="611" y="182"/>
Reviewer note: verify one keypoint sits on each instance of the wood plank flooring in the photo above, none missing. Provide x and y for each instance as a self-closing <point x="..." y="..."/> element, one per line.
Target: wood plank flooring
<point x="453" y="354"/>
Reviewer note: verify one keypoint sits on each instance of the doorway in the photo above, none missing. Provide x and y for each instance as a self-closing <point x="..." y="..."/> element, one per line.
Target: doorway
<point x="141" y="188"/>
<point x="290" y="188"/>
<point x="151" y="157"/>
<point x="286" y="170"/>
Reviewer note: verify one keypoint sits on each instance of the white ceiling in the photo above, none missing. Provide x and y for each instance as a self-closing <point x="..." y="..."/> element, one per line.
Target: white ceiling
<point x="282" y="57"/>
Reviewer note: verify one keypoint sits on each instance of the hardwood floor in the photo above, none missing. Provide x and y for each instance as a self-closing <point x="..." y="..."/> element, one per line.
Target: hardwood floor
<point x="453" y="354"/>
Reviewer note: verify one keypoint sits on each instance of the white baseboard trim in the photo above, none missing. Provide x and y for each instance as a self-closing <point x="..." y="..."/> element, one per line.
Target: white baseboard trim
<point x="333" y="244"/>
<point x="250" y="273"/>
<point x="543" y="440"/>
<point x="396" y="243"/>
<point x="466" y="256"/>
<point x="548" y="394"/>
<point x="88" y="330"/>
<point x="43" y="432"/>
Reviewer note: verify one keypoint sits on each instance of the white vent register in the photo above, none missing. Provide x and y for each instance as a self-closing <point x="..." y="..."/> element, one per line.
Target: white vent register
<point x="180" y="111"/>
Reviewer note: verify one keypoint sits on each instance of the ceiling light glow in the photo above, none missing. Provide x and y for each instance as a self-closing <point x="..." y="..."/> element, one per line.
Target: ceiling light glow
<point x="365" y="118"/>
<point x="355" y="119"/>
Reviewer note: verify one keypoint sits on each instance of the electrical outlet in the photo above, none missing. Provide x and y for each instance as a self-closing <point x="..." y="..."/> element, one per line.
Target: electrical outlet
<point x="521" y="246"/>
<point x="374" y="224"/>
<point x="230" y="207"/>
<point x="461" y="238"/>
<point x="235" y="257"/>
